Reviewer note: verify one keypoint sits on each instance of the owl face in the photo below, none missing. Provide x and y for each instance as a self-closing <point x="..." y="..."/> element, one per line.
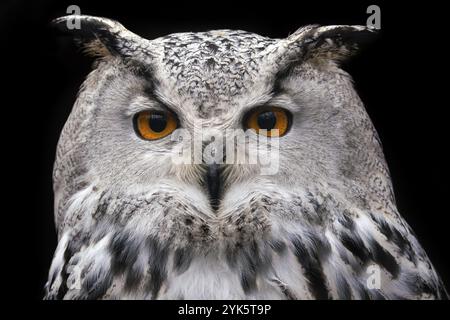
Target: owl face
<point x="221" y="89"/>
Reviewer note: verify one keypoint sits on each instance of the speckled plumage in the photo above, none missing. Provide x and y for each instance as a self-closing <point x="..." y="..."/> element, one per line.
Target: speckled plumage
<point x="131" y="224"/>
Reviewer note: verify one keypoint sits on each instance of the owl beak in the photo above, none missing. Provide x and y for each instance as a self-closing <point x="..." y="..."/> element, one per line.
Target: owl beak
<point x="213" y="183"/>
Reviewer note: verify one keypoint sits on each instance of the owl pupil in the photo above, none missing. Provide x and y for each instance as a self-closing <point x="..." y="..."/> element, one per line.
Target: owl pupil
<point x="157" y="122"/>
<point x="267" y="120"/>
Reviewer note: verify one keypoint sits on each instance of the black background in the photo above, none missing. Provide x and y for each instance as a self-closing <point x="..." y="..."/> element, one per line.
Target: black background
<point x="397" y="77"/>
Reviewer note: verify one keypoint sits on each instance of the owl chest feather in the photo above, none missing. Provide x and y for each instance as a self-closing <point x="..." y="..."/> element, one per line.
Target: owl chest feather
<point x="308" y="245"/>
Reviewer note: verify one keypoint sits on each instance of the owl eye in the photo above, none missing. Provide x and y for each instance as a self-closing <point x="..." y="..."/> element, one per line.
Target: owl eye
<point x="153" y="125"/>
<point x="269" y="118"/>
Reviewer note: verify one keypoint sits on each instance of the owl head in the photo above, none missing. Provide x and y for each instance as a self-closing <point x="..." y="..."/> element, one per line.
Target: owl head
<point x="185" y="114"/>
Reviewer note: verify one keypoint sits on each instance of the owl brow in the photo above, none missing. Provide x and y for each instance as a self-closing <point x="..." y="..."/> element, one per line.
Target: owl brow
<point x="151" y="91"/>
<point x="146" y="72"/>
<point x="281" y="75"/>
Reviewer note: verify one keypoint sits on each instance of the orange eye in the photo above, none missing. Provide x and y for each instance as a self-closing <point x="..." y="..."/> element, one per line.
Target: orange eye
<point x="269" y="119"/>
<point x="153" y="125"/>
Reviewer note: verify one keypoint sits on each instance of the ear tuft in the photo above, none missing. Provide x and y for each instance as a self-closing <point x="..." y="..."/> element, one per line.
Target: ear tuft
<point x="101" y="36"/>
<point x="338" y="42"/>
<point x="334" y="43"/>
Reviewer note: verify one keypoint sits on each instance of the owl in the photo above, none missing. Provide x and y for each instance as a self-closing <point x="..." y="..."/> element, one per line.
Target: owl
<point x="151" y="204"/>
